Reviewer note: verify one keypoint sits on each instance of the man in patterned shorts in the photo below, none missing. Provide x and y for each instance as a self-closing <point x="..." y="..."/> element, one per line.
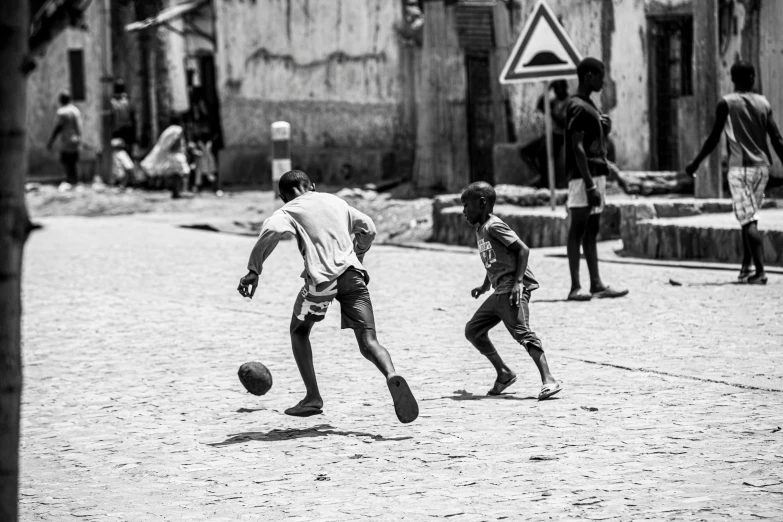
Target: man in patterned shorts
<point x="333" y="238"/>
<point x="746" y="119"/>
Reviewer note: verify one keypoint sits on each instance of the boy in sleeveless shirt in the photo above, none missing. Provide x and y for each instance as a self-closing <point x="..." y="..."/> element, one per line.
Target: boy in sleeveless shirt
<point x="746" y="119"/>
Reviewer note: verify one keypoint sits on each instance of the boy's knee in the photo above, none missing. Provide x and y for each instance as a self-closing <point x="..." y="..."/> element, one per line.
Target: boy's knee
<point x="300" y="328"/>
<point x="470" y="333"/>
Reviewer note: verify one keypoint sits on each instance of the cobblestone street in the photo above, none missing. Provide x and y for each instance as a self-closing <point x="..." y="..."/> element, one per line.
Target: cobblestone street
<point x="132" y="409"/>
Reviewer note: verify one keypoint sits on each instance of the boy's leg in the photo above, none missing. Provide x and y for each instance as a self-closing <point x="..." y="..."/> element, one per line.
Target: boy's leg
<point x="516" y="319"/>
<point x="303" y="355"/>
<point x="477" y="333"/>
<point x="576" y="233"/>
<point x="756" y="244"/>
<point x="747" y="255"/>
<point x="372" y="350"/>
<point x="590" y="246"/>
<point x="357" y="314"/>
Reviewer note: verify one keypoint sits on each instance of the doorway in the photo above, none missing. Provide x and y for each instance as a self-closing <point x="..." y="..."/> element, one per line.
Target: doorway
<point x="671" y="90"/>
<point x="480" y="115"/>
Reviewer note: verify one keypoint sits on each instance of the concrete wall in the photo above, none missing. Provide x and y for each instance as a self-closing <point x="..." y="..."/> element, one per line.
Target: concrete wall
<point x="329" y="67"/>
<point x="616" y="32"/>
<point x="51" y="77"/>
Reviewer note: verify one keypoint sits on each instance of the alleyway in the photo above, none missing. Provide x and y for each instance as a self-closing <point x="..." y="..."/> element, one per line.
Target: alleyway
<point x="132" y="410"/>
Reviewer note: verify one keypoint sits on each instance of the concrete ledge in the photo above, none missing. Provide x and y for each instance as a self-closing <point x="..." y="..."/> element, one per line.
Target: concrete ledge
<point x="537" y="227"/>
<point x="663" y="228"/>
<point x="716" y="237"/>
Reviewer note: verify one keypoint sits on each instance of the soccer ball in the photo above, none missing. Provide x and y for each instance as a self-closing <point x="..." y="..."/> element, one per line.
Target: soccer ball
<point x="255" y="377"/>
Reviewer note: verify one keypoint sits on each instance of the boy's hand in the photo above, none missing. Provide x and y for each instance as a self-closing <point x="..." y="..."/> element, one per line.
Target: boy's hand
<point x="594" y="197"/>
<point x="515" y="297"/>
<point x="477" y="292"/>
<point x="248" y="284"/>
<point x="691" y="168"/>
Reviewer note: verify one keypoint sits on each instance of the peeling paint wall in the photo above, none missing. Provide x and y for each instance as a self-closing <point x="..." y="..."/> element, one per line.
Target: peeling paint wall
<point x="332" y="68"/>
<point x="626" y="96"/>
<point x="50" y="77"/>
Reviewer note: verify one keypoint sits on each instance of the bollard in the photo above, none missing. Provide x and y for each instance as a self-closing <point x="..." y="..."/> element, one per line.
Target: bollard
<point x="281" y="154"/>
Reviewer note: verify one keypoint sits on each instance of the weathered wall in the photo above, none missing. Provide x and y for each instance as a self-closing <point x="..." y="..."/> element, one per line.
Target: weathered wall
<point x="615" y="31"/>
<point x="51" y="77"/>
<point x="329" y="67"/>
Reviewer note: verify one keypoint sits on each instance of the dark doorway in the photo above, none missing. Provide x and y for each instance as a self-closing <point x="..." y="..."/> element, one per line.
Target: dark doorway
<point x="204" y="103"/>
<point x="671" y="88"/>
<point x="480" y="115"/>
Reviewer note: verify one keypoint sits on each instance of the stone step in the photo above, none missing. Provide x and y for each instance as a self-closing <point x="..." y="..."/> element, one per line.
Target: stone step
<point x="655" y="228"/>
<point x="713" y="237"/>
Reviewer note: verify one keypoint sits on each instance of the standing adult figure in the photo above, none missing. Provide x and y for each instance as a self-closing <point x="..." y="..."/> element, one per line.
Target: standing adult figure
<point x="123" y="117"/>
<point x="746" y="119"/>
<point x="68" y="125"/>
<point x="587" y="168"/>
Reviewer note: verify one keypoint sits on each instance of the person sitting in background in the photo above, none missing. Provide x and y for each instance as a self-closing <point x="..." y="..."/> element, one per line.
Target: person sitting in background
<point x="166" y="163"/>
<point x="122" y="168"/>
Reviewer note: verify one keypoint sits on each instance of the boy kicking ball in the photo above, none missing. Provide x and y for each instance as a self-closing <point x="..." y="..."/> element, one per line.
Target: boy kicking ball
<point x="333" y="238"/>
<point x="505" y="257"/>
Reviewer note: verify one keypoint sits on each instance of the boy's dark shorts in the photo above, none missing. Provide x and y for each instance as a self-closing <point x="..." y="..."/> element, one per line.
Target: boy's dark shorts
<point x="498" y="308"/>
<point x="351" y="292"/>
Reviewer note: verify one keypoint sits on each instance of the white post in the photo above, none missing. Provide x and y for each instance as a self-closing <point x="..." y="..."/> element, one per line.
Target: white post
<point x="550" y="159"/>
<point x="281" y="153"/>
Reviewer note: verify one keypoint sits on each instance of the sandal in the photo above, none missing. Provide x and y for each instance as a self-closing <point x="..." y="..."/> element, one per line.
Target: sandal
<point x="498" y="387"/>
<point x="548" y="390"/>
<point x="578" y="295"/>
<point x="405" y="405"/>
<point x="610" y="293"/>
<point x="303" y="410"/>
<point x="744" y="274"/>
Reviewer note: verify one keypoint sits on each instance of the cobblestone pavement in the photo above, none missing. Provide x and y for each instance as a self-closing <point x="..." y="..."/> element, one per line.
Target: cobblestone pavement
<point x="132" y="409"/>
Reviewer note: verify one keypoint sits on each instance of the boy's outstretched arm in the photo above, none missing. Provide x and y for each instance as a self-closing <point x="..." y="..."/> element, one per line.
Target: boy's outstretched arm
<point x="273" y="229"/>
<point x="523" y="255"/>
<point x="364" y="232"/>
<point x="774" y="136"/>
<point x="721" y="115"/>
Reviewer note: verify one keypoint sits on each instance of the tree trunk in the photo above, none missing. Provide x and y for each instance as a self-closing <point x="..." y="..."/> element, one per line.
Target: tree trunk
<point x="14" y="227"/>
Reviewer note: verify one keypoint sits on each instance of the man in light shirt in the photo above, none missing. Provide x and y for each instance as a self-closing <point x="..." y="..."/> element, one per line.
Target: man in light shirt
<point x="68" y="125"/>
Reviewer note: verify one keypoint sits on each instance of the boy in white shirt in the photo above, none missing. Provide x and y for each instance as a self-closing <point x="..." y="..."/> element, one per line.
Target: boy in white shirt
<point x="333" y="238"/>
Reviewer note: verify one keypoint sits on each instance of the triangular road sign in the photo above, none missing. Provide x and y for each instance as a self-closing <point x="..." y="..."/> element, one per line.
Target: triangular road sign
<point x="543" y="50"/>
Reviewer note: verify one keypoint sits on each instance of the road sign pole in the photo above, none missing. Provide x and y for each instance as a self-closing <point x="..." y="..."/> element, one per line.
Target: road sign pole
<point x="550" y="159"/>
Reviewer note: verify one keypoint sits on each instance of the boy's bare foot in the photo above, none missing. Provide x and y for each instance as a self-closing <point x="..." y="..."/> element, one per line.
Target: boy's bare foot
<point x="405" y="405"/>
<point x="306" y="408"/>
<point x="503" y="382"/>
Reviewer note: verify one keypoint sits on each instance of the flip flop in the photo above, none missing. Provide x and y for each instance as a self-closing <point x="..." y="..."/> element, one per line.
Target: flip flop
<point x="301" y="410"/>
<point x="578" y="295"/>
<point x="548" y="390"/>
<point x="609" y="293"/>
<point x="498" y="387"/>
<point x="405" y="405"/>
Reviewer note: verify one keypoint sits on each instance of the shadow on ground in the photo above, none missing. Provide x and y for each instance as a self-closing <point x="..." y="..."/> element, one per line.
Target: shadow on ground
<point x="322" y="430"/>
<point x="463" y="395"/>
